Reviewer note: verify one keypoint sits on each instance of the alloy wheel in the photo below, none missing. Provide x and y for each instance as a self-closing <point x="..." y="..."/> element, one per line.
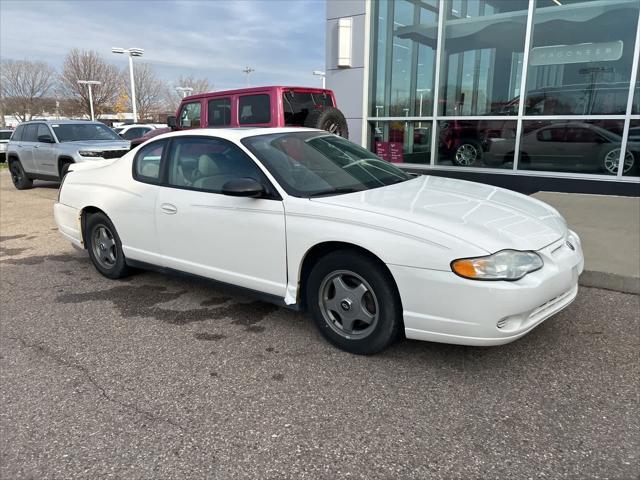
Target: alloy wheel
<point x="104" y="247"/>
<point x="467" y="154"/>
<point x="348" y="304"/>
<point x="16" y="173"/>
<point x="612" y="158"/>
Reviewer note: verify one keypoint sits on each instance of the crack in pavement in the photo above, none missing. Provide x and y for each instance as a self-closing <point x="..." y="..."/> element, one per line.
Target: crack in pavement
<point x="46" y="352"/>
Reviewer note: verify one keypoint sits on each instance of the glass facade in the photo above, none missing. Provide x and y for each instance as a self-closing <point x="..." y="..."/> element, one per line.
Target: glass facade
<point x="521" y="85"/>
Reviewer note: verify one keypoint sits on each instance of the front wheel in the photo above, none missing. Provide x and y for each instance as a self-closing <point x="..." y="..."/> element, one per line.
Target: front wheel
<point x="104" y="246"/>
<point x="354" y="302"/>
<point x="19" y="176"/>
<point x="612" y="159"/>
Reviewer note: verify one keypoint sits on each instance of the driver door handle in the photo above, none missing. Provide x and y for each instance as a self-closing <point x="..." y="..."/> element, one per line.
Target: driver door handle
<point x="169" y="209"/>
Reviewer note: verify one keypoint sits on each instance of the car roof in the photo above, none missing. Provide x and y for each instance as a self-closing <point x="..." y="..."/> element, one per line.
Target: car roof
<point x="237" y="133"/>
<point x="250" y="90"/>
<point x="60" y="122"/>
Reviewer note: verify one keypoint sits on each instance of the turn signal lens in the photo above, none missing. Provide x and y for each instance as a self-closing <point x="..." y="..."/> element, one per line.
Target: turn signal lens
<point x="502" y="265"/>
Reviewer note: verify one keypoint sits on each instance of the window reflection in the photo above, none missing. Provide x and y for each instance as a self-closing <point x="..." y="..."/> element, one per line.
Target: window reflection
<point x="472" y="143"/>
<point x="633" y="149"/>
<point x="581" y="57"/>
<point x="573" y="146"/>
<point x="402" y="142"/>
<point x="482" y="57"/>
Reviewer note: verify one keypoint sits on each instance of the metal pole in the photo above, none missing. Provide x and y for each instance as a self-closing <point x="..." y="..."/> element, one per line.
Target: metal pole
<point x="133" y="90"/>
<point x="91" y="103"/>
<point x="324" y="82"/>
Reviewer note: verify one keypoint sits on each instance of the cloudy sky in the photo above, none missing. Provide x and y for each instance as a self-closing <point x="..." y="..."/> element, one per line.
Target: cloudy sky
<point x="283" y="40"/>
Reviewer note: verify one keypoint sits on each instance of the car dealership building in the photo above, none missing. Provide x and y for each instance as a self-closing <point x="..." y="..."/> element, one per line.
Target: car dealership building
<point x="528" y="94"/>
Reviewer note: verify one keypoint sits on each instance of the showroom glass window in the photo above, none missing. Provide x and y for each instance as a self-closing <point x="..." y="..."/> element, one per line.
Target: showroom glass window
<point x="405" y="41"/>
<point x="581" y="57"/>
<point x="481" y="59"/>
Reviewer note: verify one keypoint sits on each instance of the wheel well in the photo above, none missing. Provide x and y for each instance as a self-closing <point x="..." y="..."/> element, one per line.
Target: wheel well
<point x="62" y="161"/>
<point x="84" y="214"/>
<point x="12" y="157"/>
<point x="318" y="251"/>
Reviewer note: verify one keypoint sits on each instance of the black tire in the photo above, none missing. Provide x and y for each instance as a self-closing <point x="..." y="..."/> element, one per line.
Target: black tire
<point x="64" y="168"/>
<point x="330" y="119"/>
<point x="18" y="176"/>
<point x="106" y="255"/>
<point x="468" y="153"/>
<point x="383" y="298"/>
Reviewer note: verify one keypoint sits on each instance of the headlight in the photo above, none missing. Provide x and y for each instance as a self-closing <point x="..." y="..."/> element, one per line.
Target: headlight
<point x="503" y="265"/>
<point x="89" y="153"/>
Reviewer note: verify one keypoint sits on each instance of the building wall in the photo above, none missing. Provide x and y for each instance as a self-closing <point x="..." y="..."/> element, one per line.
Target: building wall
<point x="349" y="84"/>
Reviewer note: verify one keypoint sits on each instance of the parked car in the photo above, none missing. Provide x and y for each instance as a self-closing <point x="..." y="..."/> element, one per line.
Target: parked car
<point x="5" y="135"/>
<point x="44" y="149"/>
<point x="309" y="220"/>
<point x="275" y="106"/>
<point x="135" y="130"/>
<point x="565" y="146"/>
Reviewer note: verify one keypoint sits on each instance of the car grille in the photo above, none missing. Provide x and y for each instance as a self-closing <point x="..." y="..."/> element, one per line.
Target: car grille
<point x="114" y="153"/>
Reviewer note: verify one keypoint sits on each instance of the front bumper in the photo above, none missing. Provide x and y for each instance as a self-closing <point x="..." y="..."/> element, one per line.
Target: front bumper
<point x="68" y="222"/>
<point x="439" y="306"/>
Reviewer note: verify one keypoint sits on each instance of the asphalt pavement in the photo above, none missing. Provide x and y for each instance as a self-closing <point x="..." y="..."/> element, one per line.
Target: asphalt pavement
<point x="159" y="377"/>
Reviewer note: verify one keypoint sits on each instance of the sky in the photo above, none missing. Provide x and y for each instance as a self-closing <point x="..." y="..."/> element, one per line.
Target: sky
<point x="283" y="40"/>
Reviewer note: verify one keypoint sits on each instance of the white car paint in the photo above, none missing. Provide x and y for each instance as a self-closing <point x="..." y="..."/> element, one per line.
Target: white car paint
<point x="416" y="228"/>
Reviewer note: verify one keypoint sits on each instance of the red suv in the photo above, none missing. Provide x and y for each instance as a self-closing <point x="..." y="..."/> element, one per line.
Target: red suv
<point x="257" y="107"/>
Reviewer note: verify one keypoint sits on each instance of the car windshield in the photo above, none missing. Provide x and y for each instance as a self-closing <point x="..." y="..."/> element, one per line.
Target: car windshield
<point x="309" y="164"/>
<point x="74" y="132"/>
<point x="5" y="135"/>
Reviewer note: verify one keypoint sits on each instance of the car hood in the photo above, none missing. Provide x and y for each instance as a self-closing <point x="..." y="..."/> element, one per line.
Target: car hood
<point x="100" y="144"/>
<point x="488" y="217"/>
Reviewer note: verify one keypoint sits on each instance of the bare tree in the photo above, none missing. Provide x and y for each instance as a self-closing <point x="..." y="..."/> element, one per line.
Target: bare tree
<point x="149" y="90"/>
<point x="173" y="97"/>
<point x="23" y="84"/>
<point x="90" y="65"/>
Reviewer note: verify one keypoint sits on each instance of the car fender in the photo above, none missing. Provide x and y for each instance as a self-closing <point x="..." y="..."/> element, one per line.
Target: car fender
<point x="394" y="241"/>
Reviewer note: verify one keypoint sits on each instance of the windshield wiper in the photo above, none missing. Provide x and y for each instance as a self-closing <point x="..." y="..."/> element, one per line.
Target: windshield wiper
<point x="334" y="191"/>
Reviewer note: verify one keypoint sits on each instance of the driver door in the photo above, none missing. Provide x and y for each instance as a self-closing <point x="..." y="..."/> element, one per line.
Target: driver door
<point x="235" y="240"/>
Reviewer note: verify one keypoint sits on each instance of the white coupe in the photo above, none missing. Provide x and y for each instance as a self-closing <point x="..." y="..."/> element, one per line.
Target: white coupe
<point x="309" y="220"/>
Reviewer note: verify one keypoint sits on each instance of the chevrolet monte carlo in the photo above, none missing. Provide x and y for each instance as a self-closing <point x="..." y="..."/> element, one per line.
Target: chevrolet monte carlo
<point x="311" y="221"/>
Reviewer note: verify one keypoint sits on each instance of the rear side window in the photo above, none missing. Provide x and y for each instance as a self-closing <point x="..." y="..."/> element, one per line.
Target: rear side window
<point x="219" y="112"/>
<point x="17" y="135"/>
<point x="147" y="164"/>
<point x="43" y="131"/>
<point x="190" y="115"/>
<point x="30" y="133"/>
<point x="136" y="132"/>
<point x="297" y="105"/>
<point x="254" y="109"/>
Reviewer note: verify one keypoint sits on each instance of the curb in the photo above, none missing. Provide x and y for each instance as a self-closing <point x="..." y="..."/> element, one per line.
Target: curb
<point x="610" y="281"/>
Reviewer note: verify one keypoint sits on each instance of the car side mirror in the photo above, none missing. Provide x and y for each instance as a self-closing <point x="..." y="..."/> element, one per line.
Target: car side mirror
<point x="243" y="187"/>
<point x="45" y="139"/>
<point x="171" y="121"/>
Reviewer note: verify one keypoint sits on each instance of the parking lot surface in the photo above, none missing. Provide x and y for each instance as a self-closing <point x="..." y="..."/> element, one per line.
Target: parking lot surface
<point x="162" y="377"/>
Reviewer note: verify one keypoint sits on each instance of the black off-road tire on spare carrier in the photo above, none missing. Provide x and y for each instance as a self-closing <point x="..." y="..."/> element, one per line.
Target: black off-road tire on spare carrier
<point x="330" y="119"/>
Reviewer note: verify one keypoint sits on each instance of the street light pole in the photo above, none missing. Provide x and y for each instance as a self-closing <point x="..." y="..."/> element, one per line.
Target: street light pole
<point x="184" y="90"/>
<point x="88" y="83"/>
<point x="248" y="70"/>
<point x="320" y="73"/>
<point x="132" y="52"/>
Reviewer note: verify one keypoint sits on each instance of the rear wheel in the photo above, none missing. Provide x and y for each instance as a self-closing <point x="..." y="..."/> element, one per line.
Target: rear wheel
<point x="104" y="246"/>
<point x="354" y="302"/>
<point x="18" y="175"/>
<point x="330" y="119"/>
<point x="467" y="153"/>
